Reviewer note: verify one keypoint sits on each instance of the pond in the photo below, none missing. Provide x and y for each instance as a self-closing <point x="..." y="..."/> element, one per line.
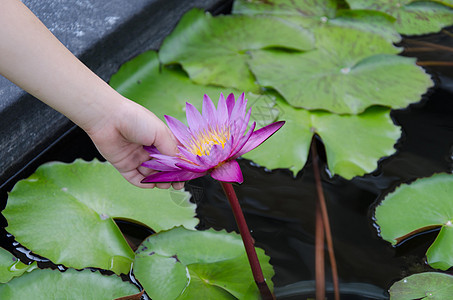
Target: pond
<point x="279" y="207"/>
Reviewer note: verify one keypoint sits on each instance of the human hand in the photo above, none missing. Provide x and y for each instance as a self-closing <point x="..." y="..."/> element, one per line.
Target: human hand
<point x="118" y="127"/>
<point x="121" y="135"/>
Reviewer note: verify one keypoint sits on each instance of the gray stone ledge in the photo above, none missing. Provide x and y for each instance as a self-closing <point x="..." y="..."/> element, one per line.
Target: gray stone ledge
<point x="103" y="34"/>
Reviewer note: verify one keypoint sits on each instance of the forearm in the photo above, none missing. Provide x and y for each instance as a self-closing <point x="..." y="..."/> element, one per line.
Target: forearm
<point x="32" y="58"/>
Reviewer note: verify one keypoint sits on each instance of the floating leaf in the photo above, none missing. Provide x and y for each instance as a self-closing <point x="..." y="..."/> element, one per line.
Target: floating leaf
<point x="412" y="17"/>
<point x="354" y="143"/>
<point x="12" y="267"/>
<point x="165" y="91"/>
<point x="419" y="206"/>
<point x="71" y="284"/>
<point x="137" y="296"/>
<point x="187" y="264"/>
<point x="342" y="79"/>
<point x="65" y="213"/>
<point x="307" y="8"/>
<point x="446" y="2"/>
<point x="429" y="285"/>
<point x="213" y="49"/>
<point x="315" y="13"/>
<point x="367" y="20"/>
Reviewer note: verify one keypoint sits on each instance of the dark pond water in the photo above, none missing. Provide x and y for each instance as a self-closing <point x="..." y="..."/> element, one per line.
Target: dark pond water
<point x="280" y="208"/>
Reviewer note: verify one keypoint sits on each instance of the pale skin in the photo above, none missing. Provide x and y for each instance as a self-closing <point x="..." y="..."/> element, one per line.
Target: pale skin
<point x="33" y="58"/>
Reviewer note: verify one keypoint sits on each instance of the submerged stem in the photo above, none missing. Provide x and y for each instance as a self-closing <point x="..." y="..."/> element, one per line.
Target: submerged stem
<point x="325" y="221"/>
<point x="431" y="45"/>
<point x="320" y="275"/>
<point x="435" y="63"/>
<point x="266" y="294"/>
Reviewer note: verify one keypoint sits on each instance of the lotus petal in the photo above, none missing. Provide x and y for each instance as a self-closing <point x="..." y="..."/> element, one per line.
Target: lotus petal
<point x="211" y="143"/>
<point x="259" y="136"/>
<point x="209" y="111"/>
<point x="180" y="131"/>
<point x="230" y="103"/>
<point x="222" y="111"/>
<point x="159" y="166"/>
<point x="228" y="172"/>
<point x="194" y="119"/>
<point x="238" y="111"/>
<point x="191" y="167"/>
<point x="244" y="140"/>
<point x="151" y="149"/>
<point x="174" y="176"/>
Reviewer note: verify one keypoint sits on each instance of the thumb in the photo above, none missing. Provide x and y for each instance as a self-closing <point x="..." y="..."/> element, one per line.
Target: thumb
<point x="145" y="128"/>
<point x="165" y="141"/>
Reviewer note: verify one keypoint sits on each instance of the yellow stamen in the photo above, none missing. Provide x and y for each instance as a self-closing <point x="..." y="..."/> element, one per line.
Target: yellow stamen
<point x="202" y="142"/>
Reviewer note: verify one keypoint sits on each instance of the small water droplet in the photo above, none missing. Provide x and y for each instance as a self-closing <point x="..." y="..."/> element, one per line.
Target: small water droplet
<point x="324" y="19"/>
<point x="61" y="268"/>
<point x="19" y="266"/>
<point x="326" y="169"/>
<point x="104" y="216"/>
<point x="30" y="255"/>
<point x="345" y="70"/>
<point x="253" y="164"/>
<point x="64" y="189"/>
<point x="448" y="223"/>
<point x="120" y="263"/>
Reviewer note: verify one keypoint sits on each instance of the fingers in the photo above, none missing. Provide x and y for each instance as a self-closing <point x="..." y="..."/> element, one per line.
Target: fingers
<point x="145" y="129"/>
<point x="136" y="176"/>
<point x="178" y="185"/>
<point x="145" y="171"/>
<point x="163" y="185"/>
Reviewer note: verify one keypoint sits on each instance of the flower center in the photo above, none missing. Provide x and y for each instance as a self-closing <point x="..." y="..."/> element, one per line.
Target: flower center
<point x="202" y="142"/>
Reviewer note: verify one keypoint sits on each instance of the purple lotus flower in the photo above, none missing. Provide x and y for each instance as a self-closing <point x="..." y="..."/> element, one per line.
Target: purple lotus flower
<point x="211" y="144"/>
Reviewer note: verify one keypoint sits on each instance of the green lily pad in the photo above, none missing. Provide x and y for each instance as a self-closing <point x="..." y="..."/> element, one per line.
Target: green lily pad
<point x="374" y="22"/>
<point x="165" y="91"/>
<point x="412" y="17"/>
<point x="71" y="284"/>
<point x="354" y="143"/>
<point x="309" y="12"/>
<point x="446" y="2"/>
<point x="417" y="207"/>
<point x="429" y="285"/>
<point x="188" y="264"/>
<point x="213" y="49"/>
<point x="342" y="79"/>
<point x="11" y="267"/>
<point x="315" y="13"/>
<point x="65" y="213"/>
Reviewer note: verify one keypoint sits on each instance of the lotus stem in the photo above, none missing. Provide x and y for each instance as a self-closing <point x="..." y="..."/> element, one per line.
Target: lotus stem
<point x="257" y="272"/>
<point x="325" y="221"/>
